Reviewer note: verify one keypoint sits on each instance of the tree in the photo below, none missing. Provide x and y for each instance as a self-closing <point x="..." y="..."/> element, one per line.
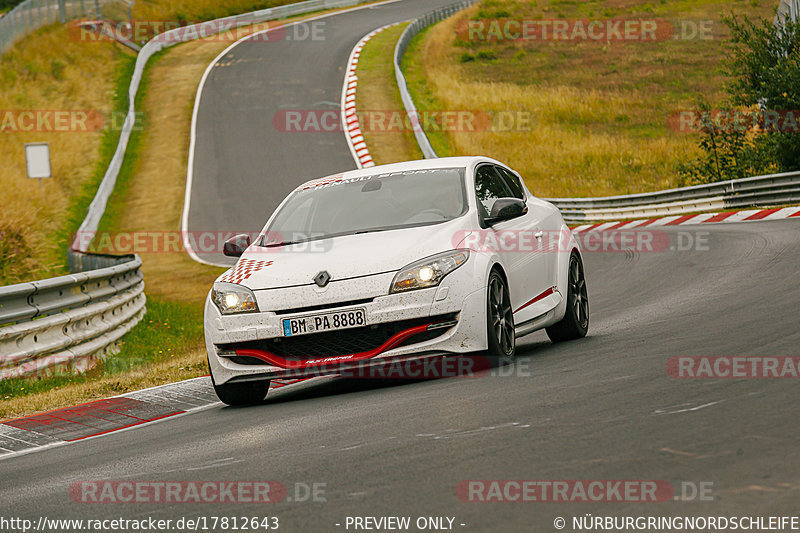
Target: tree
<point x="765" y="89"/>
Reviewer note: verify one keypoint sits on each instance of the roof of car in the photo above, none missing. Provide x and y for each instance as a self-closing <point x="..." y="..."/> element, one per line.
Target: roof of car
<point x="442" y="162"/>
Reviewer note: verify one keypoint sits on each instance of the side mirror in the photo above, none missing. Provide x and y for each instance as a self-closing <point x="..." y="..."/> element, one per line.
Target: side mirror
<point x="236" y="245"/>
<point x="506" y="209"/>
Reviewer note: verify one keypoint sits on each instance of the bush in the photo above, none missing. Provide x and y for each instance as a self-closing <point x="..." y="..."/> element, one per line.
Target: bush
<point x="765" y="72"/>
<point x="8" y="5"/>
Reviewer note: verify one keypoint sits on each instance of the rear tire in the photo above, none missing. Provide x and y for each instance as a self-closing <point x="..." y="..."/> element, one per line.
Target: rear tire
<point x="243" y="393"/>
<point x="499" y="320"/>
<point x="575" y="323"/>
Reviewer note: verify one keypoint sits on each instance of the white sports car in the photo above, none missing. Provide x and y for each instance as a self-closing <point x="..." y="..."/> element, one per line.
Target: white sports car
<point x="405" y="261"/>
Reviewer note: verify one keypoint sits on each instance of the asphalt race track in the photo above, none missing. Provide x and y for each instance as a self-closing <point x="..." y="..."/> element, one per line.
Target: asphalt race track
<point x="244" y="165"/>
<point x="603" y="408"/>
<point x="600" y="408"/>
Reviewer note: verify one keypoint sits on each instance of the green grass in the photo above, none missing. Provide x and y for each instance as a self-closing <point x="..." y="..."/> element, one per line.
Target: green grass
<point x="160" y="335"/>
<point x="116" y="203"/>
<point x="423" y="95"/>
<point x="378" y="91"/>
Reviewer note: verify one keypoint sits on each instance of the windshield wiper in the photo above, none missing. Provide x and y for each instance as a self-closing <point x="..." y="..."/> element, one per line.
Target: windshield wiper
<point x="330" y="236"/>
<point x="277" y="244"/>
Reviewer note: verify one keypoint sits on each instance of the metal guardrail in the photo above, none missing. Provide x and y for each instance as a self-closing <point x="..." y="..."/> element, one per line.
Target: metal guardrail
<point x="409" y="33"/>
<point x="66" y="324"/>
<point x="31" y="15"/>
<point x="158" y="43"/>
<point x="770" y="190"/>
<point x="788" y="10"/>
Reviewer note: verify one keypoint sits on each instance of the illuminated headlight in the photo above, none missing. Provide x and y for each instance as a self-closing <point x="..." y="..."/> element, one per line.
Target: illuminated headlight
<point x="231" y="299"/>
<point x="428" y="272"/>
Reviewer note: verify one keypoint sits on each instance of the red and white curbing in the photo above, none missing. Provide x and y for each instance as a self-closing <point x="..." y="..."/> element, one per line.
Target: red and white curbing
<point x="352" y="128"/>
<point x="749" y="215"/>
<point x="119" y="413"/>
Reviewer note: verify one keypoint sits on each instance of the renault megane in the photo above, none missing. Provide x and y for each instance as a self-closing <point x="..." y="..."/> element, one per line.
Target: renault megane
<point x="411" y="260"/>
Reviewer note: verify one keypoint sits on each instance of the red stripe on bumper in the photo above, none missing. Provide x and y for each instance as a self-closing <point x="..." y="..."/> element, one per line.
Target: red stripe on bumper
<point x="276" y="360"/>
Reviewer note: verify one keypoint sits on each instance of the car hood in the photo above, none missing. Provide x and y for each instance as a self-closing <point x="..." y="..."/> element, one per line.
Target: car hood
<point x="345" y="257"/>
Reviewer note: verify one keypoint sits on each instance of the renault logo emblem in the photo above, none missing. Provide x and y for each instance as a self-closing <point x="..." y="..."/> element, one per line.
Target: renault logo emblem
<point x="322" y="278"/>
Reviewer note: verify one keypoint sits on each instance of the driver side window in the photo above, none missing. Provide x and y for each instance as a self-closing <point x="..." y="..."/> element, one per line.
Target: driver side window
<point x="489" y="186"/>
<point x="513" y="183"/>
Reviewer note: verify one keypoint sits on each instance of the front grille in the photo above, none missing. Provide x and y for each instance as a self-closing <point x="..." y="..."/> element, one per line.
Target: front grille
<point x="336" y="343"/>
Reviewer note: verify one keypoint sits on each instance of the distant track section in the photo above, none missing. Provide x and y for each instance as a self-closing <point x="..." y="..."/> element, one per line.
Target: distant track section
<point x="244" y="161"/>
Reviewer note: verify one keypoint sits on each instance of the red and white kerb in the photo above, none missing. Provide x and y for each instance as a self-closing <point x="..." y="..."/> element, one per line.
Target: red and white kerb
<point x="351" y="125"/>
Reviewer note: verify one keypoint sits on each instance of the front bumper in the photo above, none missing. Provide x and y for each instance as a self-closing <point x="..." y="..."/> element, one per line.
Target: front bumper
<point x="449" y="319"/>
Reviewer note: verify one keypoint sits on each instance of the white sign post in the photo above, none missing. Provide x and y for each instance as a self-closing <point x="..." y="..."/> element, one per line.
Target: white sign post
<point x="37" y="161"/>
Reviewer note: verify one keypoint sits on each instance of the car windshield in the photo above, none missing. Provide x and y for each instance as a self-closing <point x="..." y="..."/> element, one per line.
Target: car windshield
<point x="333" y="207"/>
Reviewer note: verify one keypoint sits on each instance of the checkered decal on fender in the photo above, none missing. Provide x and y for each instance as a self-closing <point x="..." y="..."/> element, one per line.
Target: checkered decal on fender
<point x="244" y="269"/>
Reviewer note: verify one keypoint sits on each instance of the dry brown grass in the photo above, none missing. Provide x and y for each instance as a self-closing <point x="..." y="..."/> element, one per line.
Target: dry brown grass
<point x="377" y="91"/>
<point x="599" y="110"/>
<point x="81" y="76"/>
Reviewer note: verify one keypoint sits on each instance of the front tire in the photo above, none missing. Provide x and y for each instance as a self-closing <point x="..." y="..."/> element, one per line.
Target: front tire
<point x="243" y="393"/>
<point x="499" y="320"/>
<point x="575" y="323"/>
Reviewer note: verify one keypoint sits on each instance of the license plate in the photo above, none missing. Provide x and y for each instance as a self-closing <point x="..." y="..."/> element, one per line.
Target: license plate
<point x="352" y="318"/>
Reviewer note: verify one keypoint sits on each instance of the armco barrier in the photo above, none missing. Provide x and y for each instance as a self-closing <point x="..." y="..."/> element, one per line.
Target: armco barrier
<point x="771" y="190"/>
<point x="788" y="10"/>
<point x="30" y="15"/>
<point x="66" y="324"/>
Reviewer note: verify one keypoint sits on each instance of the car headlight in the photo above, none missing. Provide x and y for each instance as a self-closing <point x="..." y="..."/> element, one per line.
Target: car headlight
<point x="428" y="272"/>
<point x="231" y="299"/>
